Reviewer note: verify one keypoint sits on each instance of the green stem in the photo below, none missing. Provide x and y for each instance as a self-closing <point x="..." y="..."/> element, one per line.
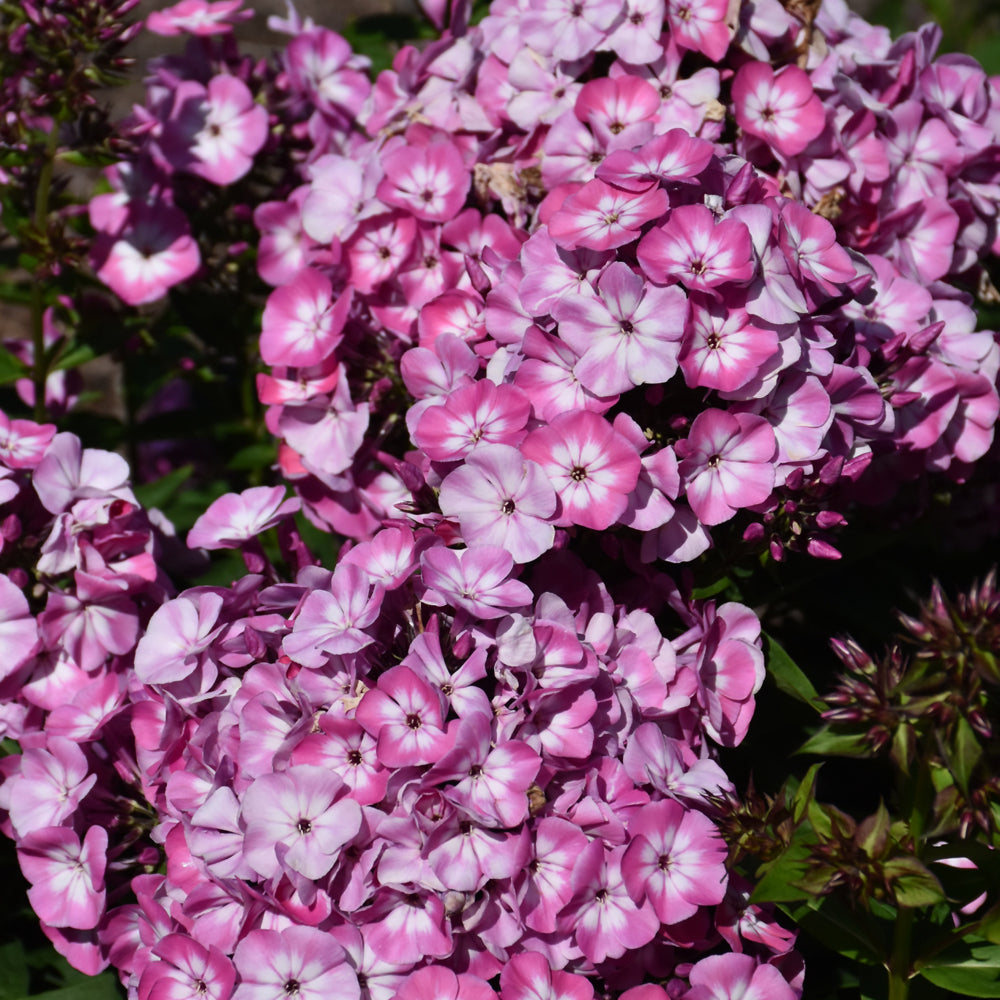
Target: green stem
<point x="40" y="365"/>
<point x="899" y="962"/>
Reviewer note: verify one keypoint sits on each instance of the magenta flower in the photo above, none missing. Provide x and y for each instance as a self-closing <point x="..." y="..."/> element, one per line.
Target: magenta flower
<point x="298" y="821"/>
<point x="177" y="637"/>
<point x="601" y="217"/>
<point x="19" y="639"/>
<point x="236" y="518"/>
<point x="66" y="876"/>
<point x="197" y="17"/>
<point x="300" y="962"/>
<point x="628" y="334"/>
<point x="404" y="714"/>
<point x="429" y="181"/>
<point x="727" y="463"/>
<point x="301" y="324"/>
<point x="676" y="859"/>
<point x="475" y="580"/>
<point x="700" y="25"/>
<point x="528" y="976"/>
<point x="436" y="983"/>
<point x="502" y="499"/>
<point x="780" y="108"/>
<point x="186" y="970"/>
<point x="592" y="467"/>
<point x="736" y="977"/>
<point x="148" y="255"/>
<point x="694" y="248"/>
<point x="51" y="784"/>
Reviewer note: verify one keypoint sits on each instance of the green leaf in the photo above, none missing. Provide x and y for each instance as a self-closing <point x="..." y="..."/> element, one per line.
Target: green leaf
<point x="102" y="987"/>
<point x="160" y="492"/>
<point x="253" y="456"/>
<point x="963" y="754"/>
<point x="804" y="793"/>
<point x="12" y="368"/>
<point x="711" y="590"/>
<point x="778" y="883"/>
<point x="849" y="932"/>
<point x="9" y="746"/>
<point x="788" y="675"/>
<point x="15" y="975"/>
<point x="74" y="357"/>
<point x="827" y="743"/>
<point x="969" y="968"/>
<point x="913" y="884"/>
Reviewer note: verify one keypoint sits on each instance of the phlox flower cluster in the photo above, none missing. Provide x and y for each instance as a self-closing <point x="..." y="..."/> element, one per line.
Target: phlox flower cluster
<point x="423" y="770"/>
<point x="633" y="214"/>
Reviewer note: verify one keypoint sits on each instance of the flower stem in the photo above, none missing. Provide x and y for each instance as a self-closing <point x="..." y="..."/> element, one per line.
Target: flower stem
<point x="40" y="361"/>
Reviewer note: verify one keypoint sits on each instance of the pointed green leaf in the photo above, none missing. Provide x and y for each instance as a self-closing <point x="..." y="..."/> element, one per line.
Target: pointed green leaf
<point x="789" y="677"/>
<point x="778" y="883"/>
<point x="827" y="743"/>
<point x="12" y="368"/>
<point x="963" y="754"/>
<point x="159" y="492"/>
<point x="969" y="968"/>
<point x="804" y="793"/>
<point x="912" y="882"/>
<point x="852" y="933"/>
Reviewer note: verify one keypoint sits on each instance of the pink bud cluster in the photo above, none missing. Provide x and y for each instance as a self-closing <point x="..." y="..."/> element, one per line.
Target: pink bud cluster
<point x="417" y="769"/>
<point x="598" y="307"/>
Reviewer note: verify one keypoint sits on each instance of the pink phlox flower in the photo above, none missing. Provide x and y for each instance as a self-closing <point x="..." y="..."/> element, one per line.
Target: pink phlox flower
<point x="341" y="195"/>
<point x="236" y="518"/>
<point x="430" y="180"/>
<point x="700" y="25"/>
<point x="23" y="443"/>
<point x="475" y="579"/>
<point x="50" y="785"/>
<point x="726" y="463"/>
<point x="298" y="821"/>
<point x="628" y="334"/>
<point x="671" y="767"/>
<point x="602" y="217"/>
<point x="810" y="243"/>
<point x="96" y="621"/>
<point x="406" y="928"/>
<point x="295" y="961"/>
<point x="552" y="273"/>
<point x="920" y="239"/>
<point x="379" y="248"/>
<point x="675" y="156"/>
<point x="491" y="782"/>
<point x="460" y="688"/>
<point x="232" y="129"/>
<point x="388" y="559"/>
<point x="528" y="976"/>
<point x="150" y="252"/>
<point x="560" y="723"/>
<point x="345" y="748"/>
<point x="326" y="432"/>
<point x="546" y="375"/>
<point x="178" y="637"/>
<point x="568" y="30"/>
<point x="456" y="313"/>
<point x="19" y="638"/>
<point x="69" y="472"/>
<point x="465" y="855"/>
<point x="547" y="882"/>
<point x="695" y="249"/>
<point x="570" y="155"/>
<point x="334" y="621"/>
<point x="592" y="468"/>
<point x="435" y="982"/>
<point x="540" y="91"/>
<point x="731" y="976"/>
<point x="619" y="110"/>
<point x="472" y="416"/>
<point x="403" y="712"/>
<point x="922" y="153"/>
<point x="605" y="920"/>
<point x="197" y="17"/>
<point x="302" y="325"/>
<point x="500" y="498"/>
<point x="284" y="248"/>
<point x="676" y="859"/>
<point x="66" y="876"/>
<point x="379" y="979"/>
<point x="722" y="348"/>
<point x="636" y="38"/>
<point x="184" y="969"/>
<point x="437" y="371"/>
<point x="730" y="670"/>
<point x="321" y="65"/>
<point x="780" y="108"/>
<point x="799" y="411"/>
